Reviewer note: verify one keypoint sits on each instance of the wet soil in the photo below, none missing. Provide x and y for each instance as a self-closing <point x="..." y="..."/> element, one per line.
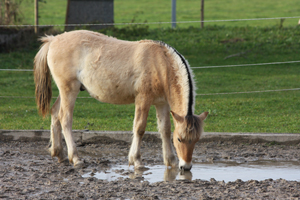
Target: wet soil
<point x="27" y="171"/>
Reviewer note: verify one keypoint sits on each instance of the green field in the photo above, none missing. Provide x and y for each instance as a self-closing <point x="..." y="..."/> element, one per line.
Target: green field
<point x="54" y="11"/>
<point x="257" y="112"/>
<point x="252" y="42"/>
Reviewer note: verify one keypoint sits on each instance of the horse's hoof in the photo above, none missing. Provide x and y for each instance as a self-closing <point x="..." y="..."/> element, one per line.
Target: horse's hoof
<point x="79" y="164"/>
<point x="171" y="161"/>
<point x="64" y="161"/>
<point x="174" y="164"/>
<point x="141" y="168"/>
<point x="130" y="163"/>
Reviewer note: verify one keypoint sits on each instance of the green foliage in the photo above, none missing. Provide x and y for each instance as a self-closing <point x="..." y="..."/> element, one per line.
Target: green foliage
<point x="14" y="13"/>
<point x="131" y="31"/>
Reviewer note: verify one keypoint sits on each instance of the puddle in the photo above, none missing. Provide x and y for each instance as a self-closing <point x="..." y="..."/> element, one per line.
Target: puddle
<point x="258" y="170"/>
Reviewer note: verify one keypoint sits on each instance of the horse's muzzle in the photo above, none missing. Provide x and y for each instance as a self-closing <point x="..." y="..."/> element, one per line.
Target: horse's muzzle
<point x="184" y="166"/>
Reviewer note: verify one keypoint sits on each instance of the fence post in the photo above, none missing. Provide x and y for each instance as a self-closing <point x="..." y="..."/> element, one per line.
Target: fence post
<point x="202" y="13"/>
<point x="173" y="13"/>
<point x="36" y="16"/>
<point x="1" y="16"/>
<point x="7" y="14"/>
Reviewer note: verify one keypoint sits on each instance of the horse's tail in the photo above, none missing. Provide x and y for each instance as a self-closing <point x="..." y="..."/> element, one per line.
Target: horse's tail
<point x="42" y="78"/>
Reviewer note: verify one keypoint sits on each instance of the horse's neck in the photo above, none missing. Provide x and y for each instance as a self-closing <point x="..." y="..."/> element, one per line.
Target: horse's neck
<point x="178" y="106"/>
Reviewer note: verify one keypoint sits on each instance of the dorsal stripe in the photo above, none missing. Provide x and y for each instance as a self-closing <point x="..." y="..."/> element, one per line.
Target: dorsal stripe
<point x="191" y="98"/>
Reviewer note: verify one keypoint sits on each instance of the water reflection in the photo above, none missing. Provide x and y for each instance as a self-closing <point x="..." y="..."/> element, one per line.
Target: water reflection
<point x="185" y="175"/>
<point x="205" y="171"/>
<point x="170" y="174"/>
<point x="138" y="173"/>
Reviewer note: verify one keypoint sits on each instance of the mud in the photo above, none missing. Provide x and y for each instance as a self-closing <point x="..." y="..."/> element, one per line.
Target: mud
<point x="28" y="172"/>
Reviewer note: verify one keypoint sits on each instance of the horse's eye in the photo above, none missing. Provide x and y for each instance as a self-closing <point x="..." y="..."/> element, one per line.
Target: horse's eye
<point x="179" y="140"/>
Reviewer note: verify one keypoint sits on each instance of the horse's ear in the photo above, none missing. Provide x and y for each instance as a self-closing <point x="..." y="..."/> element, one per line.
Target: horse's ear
<point x="203" y="116"/>
<point x="177" y="117"/>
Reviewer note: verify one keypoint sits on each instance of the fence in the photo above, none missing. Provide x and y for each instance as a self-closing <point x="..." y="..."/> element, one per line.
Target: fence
<point x="151" y="23"/>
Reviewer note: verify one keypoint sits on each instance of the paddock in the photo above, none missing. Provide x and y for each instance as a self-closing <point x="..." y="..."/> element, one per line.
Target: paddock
<point x="28" y="171"/>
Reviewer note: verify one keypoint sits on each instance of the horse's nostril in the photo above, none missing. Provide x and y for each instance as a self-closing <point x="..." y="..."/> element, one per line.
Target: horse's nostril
<point x="186" y="169"/>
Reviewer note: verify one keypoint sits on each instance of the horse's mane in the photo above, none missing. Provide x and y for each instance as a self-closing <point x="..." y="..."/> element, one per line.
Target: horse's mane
<point x="185" y="72"/>
<point x="193" y="123"/>
<point x="194" y="127"/>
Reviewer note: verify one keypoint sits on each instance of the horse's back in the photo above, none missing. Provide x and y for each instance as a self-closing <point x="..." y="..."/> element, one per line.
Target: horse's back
<point x="111" y="70"/>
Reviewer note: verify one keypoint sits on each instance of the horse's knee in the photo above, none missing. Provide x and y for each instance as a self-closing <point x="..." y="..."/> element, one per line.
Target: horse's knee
<point x="141" y="133"/>
<point x="140" y="128"/>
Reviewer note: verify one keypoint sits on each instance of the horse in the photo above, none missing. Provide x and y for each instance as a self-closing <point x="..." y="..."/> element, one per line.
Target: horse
<point x="120" y="72"/>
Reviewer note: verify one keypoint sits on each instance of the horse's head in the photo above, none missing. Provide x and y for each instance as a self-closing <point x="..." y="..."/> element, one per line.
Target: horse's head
<point x="187" y="132"/>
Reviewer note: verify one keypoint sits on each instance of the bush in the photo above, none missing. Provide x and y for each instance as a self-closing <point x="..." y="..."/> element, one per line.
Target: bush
<point x="10" y="12"/>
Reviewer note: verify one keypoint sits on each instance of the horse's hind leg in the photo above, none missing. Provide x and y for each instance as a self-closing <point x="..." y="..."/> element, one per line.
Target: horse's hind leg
<point x="142" y="106"/>
<point x="68" y="94"/>
<point x="56" y="148"/>
<point x="164" y="127"/>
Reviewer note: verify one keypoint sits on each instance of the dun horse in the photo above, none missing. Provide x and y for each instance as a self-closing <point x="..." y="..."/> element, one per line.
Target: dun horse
<point x="119" y="72"/>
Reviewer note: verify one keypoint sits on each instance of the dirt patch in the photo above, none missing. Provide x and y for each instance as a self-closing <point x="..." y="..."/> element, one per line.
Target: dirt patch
<point x="28" y="172"/>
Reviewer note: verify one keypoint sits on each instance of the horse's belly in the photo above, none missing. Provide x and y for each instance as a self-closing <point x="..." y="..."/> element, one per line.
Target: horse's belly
<point x="114" y="98"/>
<point x="111" y="84"/>
<point x="109" y="91"/>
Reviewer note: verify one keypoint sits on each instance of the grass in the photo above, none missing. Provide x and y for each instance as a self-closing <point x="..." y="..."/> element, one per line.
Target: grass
<point x="54" y="12"/>
<point x="189" y="10"/>
<point x="50" y="11"/>
<point x="261" y="41"/>
<point x="258" y="112"/>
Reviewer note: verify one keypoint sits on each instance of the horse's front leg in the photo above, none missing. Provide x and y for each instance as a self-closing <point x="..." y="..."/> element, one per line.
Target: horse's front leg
<point x="164" y="127"/>
<point x="142" y="106"/>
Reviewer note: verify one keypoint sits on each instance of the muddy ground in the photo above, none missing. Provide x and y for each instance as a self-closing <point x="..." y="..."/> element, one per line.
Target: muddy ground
<point x="28" y="172"/>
